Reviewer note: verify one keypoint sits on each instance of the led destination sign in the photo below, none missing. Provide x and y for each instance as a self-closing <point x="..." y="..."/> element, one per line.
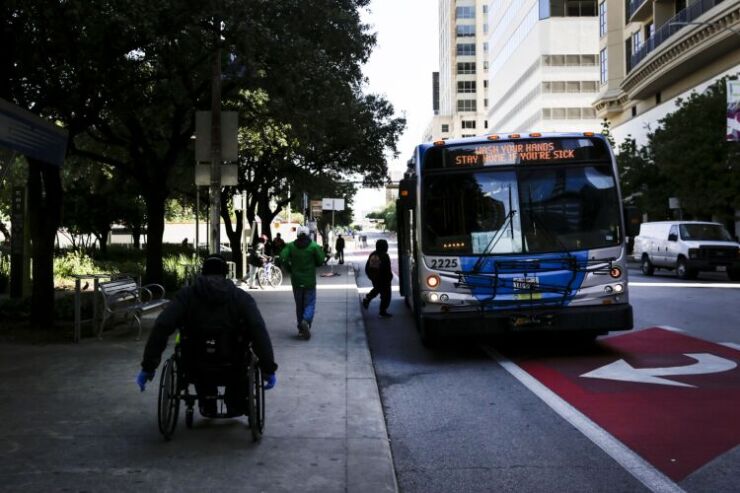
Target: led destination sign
<point x="517" y="152"/>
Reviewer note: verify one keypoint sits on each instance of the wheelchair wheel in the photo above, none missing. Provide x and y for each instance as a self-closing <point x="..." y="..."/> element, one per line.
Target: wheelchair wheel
<point x="276" y="276"/>
<point x="169" y="399"/>
<point x="256" y="402"/>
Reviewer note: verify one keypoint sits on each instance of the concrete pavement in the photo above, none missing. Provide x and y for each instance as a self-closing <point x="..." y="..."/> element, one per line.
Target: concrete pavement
<point x="72" y="418"/>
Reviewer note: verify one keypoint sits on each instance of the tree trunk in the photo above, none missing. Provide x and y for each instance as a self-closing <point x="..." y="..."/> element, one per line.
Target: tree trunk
<point x="155" y="230"/>
<point x="103" y="242"/>
<point x="44" y="208"/>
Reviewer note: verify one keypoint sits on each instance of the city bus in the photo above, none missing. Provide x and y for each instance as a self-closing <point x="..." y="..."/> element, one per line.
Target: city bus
<point x="514" y="233"/>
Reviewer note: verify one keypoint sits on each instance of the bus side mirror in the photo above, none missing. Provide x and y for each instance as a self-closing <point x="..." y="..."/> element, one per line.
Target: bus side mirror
<point x="407" y="193"/>
<point x="632" y="220"/>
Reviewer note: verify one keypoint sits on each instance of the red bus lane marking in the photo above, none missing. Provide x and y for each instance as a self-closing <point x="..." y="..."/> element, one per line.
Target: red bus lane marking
<point x="676" y="428"/>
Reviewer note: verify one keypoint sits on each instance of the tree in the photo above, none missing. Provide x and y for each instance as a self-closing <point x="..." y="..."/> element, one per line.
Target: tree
<point x="642" y="182"/>
<point x="690" y="150"/>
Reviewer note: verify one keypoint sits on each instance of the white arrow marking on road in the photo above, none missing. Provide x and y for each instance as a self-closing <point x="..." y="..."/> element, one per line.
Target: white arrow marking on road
<point x="623" y="371"/>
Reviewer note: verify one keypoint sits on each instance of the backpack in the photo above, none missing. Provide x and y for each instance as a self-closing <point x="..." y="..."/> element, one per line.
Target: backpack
<point x="372" y="268"/>
<point x="213" y="340"/>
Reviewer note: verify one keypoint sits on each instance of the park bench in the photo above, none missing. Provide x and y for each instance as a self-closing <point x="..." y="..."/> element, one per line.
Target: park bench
<point x="125" y="297"/>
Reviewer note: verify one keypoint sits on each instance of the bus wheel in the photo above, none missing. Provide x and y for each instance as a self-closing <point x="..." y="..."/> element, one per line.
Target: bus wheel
<point x="428" y="333"/>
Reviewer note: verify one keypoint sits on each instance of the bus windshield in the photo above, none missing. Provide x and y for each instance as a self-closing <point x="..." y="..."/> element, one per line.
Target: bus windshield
<point x="527" y="210"/>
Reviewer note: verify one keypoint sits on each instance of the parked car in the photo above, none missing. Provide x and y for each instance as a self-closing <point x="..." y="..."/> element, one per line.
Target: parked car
<point x="688" y="247"/>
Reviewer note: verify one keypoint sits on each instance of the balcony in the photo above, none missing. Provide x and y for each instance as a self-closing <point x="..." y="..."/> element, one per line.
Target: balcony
<point x="689" y="14"/>
<point x="639" y="10"/>
<point x="693" y="38"/>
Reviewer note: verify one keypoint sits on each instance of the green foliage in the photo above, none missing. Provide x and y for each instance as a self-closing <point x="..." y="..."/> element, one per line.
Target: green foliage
<point x="72" y="262"/>
<point x="643" y="183"/>
<point x="389" y="214"/>
<point x="690" y="150"/>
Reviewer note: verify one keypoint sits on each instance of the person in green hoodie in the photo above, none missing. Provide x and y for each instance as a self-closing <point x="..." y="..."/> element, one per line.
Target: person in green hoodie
<point x="300" y="258"/>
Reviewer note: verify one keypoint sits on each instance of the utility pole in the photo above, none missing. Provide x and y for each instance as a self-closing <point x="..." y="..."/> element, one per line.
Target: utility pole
<point x="215" y="188"/>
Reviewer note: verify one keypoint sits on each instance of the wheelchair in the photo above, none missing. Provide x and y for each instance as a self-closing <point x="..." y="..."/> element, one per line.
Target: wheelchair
<point x="179" y="374"/>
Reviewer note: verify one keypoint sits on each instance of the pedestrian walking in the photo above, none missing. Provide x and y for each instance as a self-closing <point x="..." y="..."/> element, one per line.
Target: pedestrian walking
<point x="256" y="259"/>
<point x="277" y="246"/>
<point x="339" y="247"/>
<point x="300" y="258"/>
<point x="378" y="270"/>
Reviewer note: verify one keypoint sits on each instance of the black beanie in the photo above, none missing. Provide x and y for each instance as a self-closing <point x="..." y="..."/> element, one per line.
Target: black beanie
<point x="214" y="265"/>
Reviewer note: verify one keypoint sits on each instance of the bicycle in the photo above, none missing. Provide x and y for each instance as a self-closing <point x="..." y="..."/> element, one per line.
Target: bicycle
<point x="269" y="274"/>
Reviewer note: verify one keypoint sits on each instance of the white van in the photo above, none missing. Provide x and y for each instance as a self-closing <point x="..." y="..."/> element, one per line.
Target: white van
<point x="688" y="247"/>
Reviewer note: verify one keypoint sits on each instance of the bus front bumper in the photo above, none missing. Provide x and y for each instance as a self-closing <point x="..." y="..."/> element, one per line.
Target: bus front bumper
<point x="597" y="319"/>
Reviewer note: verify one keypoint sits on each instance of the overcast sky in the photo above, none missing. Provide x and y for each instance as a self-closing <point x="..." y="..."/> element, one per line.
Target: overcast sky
<point x="400" y="68"/>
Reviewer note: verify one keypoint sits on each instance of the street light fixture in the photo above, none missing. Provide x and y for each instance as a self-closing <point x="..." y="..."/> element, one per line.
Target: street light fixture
<point x="700" y="23"/>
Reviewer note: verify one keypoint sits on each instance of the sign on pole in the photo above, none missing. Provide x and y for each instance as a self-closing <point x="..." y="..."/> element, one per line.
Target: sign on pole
<point x="316" y="208"/>
<point x="229" y="175"/>
<point x="733" y="110"/>
<point x="332" y="204"/>
<point x="229" y="142"/>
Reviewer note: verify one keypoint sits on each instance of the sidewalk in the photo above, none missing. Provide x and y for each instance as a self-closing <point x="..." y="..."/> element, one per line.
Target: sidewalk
<point x="72" y="419"/>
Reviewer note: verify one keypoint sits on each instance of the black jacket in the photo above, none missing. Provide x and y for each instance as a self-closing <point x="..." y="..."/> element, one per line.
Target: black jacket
<point x="383" y="275"/>
<point x="210" y="296"/>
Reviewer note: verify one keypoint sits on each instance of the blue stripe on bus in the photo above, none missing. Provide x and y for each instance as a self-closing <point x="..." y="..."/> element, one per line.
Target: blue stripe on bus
<point x="558" y="282"/>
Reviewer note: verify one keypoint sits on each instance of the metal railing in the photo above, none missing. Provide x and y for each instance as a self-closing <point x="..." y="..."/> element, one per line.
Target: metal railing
<point x="687" y="15"/>
<point x="634" y="6"/>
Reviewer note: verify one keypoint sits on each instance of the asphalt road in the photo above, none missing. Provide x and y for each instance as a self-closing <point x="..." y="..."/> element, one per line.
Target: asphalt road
<point x="460" y="419"/>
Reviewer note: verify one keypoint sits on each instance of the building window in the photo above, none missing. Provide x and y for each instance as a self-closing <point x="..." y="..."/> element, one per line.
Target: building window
<point x="634" y="111"/>
<point x="485" y="65"/>
<point x="485" y="84"/>
<point x="602" y="65"/>
<point x="465" y="31"/>
<point x="485" y="47"/>
<point x="465" y="13"/>
<point x="485" y="123"/>
<point x="658" y="98"/>
<point x="466" y="105"/>
<point x="485" y="103"/>
<point x="468" y="135"/>
<point x="466" y="49"/>
<point x="465" y="68"/>
<point x="445" y="128"/>
<point x="466" y="86"/>
<point x="636" y="41"/>
<point x="567" y="8"/>
<point x="468" y="124"/>
<point x="485" y="9"/>
<point x="602" y="19"/>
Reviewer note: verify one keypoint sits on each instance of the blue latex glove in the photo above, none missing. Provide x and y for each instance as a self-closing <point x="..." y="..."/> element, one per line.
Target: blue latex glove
<point x="143" y="377"/>
<point x="270" y="381"/>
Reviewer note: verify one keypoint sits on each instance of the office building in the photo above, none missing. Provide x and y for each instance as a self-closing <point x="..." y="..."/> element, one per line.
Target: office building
<point x="461" y="82"/>
<point x="655" y="51"/>
<point x="543" y="65"/>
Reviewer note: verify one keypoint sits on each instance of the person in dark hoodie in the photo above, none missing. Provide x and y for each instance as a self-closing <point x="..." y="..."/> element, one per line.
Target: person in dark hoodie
<point x="212" y="304"/>
<point x="378" y="270"/>
<point x="300" y="258"/>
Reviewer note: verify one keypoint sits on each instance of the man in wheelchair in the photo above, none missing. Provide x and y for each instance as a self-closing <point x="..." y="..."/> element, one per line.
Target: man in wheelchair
<point x="217" y="324"/>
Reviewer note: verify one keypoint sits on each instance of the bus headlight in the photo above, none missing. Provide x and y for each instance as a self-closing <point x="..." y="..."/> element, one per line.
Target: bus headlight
<point x="433" y="297"/>
<point x="615" y="272"/>
<point x="433" y="281"/>
<point x="618" y="288"/>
